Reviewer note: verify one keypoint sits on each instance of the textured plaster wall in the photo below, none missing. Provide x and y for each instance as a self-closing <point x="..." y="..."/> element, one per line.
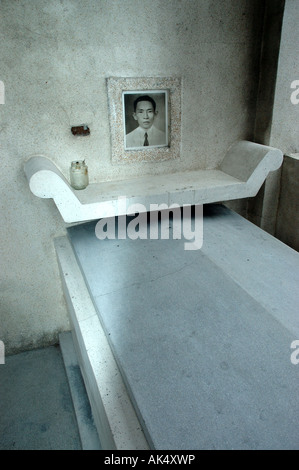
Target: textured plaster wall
<point x="55" y="58"/>
<point x="262" y="209"/>
<point x="287" y="225"/>
<point x="285" y="127"/>
<point x="275" y="208"/>
<point x="285" y="121"/>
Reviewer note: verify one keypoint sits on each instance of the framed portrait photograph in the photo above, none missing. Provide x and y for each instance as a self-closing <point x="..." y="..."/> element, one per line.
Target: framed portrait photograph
<point x="145" y="118"/>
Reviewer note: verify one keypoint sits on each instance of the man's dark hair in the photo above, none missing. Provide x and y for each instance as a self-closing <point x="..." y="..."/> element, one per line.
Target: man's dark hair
<point x="144" y="98"/>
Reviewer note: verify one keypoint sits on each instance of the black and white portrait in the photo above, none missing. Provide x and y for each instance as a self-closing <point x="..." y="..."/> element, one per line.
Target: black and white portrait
<point x="145" y="119"/>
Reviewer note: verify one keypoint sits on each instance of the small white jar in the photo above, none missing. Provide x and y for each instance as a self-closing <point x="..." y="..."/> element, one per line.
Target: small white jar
<point x="79" y="174"/>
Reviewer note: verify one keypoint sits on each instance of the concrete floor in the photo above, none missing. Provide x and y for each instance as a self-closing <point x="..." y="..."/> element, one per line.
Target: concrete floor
<point x="38" y="405"/>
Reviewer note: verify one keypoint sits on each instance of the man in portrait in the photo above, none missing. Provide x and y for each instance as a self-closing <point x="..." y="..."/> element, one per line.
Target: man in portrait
<point x="146" y="134"/>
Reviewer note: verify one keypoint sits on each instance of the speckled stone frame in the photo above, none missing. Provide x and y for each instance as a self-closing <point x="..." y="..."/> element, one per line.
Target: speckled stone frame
<point x="115" y="87"/>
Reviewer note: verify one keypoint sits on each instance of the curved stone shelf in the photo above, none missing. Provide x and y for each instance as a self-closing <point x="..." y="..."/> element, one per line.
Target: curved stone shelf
<point x="240" y="175"/>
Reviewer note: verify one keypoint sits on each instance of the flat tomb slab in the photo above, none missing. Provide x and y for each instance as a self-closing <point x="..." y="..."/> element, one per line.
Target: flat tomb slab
<point x="206" y="364"/>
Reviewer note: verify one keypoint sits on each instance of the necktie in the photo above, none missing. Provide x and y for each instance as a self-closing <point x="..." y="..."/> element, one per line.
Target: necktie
<point x="145" y="140"/>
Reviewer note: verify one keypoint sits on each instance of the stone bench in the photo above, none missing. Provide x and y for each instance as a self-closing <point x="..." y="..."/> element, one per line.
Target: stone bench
<point x="240" y="175"/>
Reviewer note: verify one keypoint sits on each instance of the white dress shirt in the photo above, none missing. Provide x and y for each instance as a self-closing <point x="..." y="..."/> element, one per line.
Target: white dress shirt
<point x="155" y="137"/>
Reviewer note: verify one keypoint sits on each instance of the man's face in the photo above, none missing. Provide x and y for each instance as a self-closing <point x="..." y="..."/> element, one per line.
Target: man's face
<point x="144" y="114"/>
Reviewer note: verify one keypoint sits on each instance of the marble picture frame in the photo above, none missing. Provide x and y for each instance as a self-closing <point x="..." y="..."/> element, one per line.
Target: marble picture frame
<point x="166" y="93"/>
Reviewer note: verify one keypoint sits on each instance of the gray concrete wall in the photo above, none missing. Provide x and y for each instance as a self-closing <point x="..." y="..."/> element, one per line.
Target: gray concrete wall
<point x="285" y="127"/>
<point x="55" y="58"/>
<point x="261" y="209"/>
<point x="275" y="208"/>
<point x="285" y="120"/>
<point x="287" y="223"/>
